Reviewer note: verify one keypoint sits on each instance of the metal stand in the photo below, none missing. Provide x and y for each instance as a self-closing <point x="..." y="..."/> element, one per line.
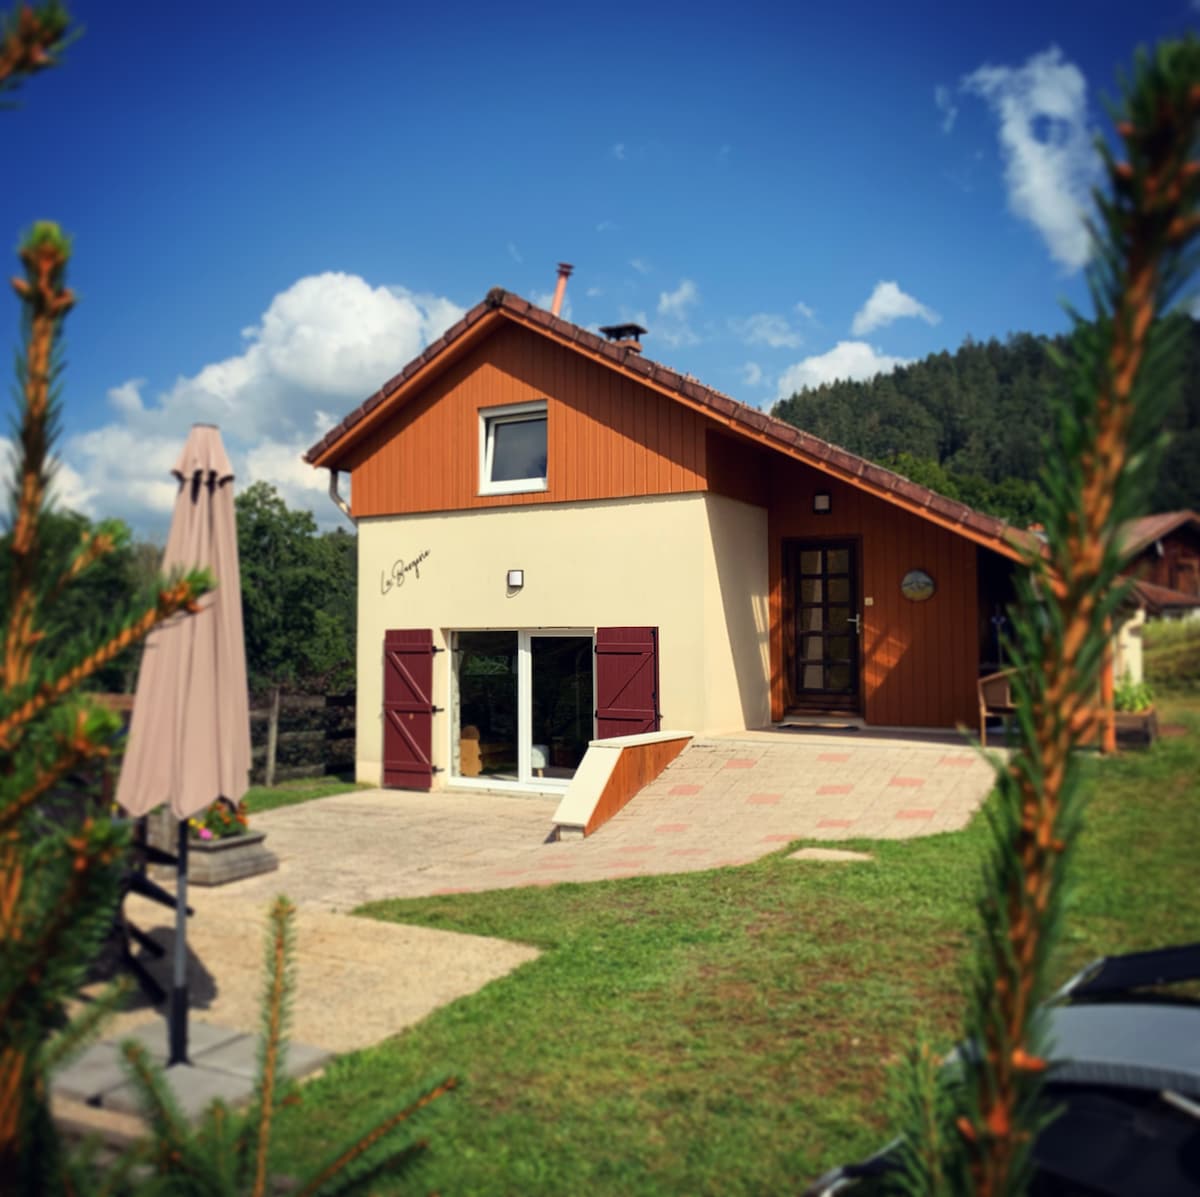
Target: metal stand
<point x="177" y="1011"/>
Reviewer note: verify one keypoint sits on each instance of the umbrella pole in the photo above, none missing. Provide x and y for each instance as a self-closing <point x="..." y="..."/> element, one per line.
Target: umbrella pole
<point x="177" y="1011"/>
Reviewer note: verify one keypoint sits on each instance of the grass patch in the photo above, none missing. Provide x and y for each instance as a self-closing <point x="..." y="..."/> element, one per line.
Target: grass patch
<point x="289" y="793"/>
<point x="1171" y="657"/>
<point x="730" y="1032"/>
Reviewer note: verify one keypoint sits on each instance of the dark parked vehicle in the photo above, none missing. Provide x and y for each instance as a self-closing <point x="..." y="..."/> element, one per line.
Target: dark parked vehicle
<point x="1125" y="1077"/>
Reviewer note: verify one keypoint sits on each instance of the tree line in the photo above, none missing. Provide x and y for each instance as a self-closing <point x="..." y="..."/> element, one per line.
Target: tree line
<point x="971" y="424"/>
<point x="298" y="592"/>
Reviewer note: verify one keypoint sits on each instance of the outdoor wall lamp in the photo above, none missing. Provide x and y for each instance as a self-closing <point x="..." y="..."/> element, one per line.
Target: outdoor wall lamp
<point x="516" y="579"/>
<point x="822" y="504"/>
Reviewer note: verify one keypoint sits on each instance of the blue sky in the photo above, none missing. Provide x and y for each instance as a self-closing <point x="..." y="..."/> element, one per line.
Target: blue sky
<point x="273" y="211"/>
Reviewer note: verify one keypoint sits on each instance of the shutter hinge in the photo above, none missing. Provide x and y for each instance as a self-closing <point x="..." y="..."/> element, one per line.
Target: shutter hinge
<point x="435" y="650"/>
<point x="436" y="769"/>
<point x="436" y="710"/>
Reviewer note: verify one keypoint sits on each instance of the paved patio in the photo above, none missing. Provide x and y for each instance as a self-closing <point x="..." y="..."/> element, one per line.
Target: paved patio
<point x="725" y="800"/>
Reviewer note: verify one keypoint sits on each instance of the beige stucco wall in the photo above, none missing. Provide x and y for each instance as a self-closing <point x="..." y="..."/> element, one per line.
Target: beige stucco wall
<point x="693" y="565"/>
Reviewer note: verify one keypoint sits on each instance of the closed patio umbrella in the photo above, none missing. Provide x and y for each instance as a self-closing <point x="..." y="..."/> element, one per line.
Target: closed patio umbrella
<point x="189" y="737"/>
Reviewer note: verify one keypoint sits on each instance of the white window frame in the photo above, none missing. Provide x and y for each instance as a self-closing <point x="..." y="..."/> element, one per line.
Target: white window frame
<point x="513" y="413"/>
<point x="526" y="783"/>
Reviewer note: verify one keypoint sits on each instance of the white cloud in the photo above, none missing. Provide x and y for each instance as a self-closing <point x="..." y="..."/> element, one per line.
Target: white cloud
<point x="887" y="304"/>
<point x="804" y="310"/>
<point x="322" y="345"/>
<point x="946" y="106"/>
<point x="674" y="306"/>
<point x="676" y="303"/>
<point x="640" y="266"/>
<point x="515" y="254"/>
<point x="127" y="397"/>
<point x="593" y="292"/>
<point x="618" y="151"/>
<point x="1049" y="160"/>
<point x="766" y="328"/>
<point x="752" y="374"/>
<point x="848" y="360"/>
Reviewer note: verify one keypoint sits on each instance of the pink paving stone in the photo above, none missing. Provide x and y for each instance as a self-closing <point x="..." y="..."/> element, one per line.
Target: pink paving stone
<point x="688" y="852"/>
<point x="833" y="757"/>
<point x="914" y="814"/>
<point x="835" y="789"/>
<point x="912" y="783"/>
<point x="740" y="763"/>
<point x="778" y="839"/>
<point x="957" y="762"/>
<point x="763" y="799"/>
<point x="836" y="823"/>
<point x="672" y="827"/>
<point x="624" y="865"/>
<point x="683" y="791"/>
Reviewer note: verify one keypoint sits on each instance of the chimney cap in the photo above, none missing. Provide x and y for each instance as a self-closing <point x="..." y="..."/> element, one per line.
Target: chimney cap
<point x="622" y="332"/>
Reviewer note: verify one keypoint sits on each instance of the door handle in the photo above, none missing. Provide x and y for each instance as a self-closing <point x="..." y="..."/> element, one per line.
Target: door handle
<point x="856" y="620"/>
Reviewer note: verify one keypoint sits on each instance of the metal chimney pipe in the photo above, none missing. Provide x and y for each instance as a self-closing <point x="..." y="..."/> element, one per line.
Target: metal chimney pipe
<point x="560" y="288"/>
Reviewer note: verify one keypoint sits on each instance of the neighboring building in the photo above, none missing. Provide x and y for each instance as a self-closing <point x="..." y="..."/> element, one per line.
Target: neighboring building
<point x="1165" y="551"/>
<point x="559" y="539"/>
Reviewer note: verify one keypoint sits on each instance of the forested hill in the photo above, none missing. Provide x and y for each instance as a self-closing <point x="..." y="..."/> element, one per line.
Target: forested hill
<point x="969" y="423"/>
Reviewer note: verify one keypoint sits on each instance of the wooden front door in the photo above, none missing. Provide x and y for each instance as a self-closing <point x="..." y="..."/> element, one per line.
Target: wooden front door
<point x="822" y="625"/>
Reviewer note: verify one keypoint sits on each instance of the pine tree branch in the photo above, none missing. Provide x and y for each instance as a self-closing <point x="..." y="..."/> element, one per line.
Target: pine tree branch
<point x="182" y="596"/>
<point x="31" y="39"/>
<point x="47" y="301"/>
<point x="275" y="1005"/>
<point x="375" y="1135"/>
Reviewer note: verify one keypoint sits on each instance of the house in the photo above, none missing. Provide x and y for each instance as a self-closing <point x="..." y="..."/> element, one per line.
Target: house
<point x="560" y="540"/>
<point x="1165" y="558"/>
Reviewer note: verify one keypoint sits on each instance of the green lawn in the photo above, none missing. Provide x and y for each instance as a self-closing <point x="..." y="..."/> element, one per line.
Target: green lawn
<point x="261" y="798"/>
<point x="730" y="1032"/>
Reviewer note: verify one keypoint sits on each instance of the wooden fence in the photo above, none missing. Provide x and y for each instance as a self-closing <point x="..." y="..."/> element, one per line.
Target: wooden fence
<point x="316" y="733"/>
<point x="316" y="736"/>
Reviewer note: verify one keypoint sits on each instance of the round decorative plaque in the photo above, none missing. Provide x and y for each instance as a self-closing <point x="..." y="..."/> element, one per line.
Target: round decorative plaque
<point x="917" y="586"/>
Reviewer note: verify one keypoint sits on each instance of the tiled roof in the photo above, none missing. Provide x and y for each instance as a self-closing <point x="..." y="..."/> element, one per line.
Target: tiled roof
<point x="1137" y="534"/>
<point x="1157" y="599"/>
<point x="741" y="417"/>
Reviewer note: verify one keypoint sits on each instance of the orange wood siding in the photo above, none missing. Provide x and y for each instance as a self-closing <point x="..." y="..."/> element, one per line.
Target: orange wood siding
<point x="636" y="767"/>
<point x="607" y="436"/>
<point x="920" y="661"/>
<point x="738" y="469"/>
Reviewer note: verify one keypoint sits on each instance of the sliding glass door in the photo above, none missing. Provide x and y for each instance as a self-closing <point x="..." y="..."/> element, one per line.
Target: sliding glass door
<point x="524" y="705"/>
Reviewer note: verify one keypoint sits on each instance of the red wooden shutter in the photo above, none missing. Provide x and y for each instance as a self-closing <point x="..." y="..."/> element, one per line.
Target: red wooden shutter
<point x="626" y="681"/>
<point x="408" y="709"/>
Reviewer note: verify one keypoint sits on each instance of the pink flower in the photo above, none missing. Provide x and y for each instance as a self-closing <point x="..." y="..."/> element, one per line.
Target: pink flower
<point x="205" y="834"/>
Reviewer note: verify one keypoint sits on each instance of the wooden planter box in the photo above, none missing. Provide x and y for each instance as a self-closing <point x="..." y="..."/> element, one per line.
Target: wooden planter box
<point x="214" y="862"/>
<point x="1136" y="729"/>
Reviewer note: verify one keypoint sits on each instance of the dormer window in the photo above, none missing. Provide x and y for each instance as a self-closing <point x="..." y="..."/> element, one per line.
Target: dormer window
<point x="512" y="448"/>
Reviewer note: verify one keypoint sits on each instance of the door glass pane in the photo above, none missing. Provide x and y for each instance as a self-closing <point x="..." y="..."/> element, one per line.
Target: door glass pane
<point x="810" y="590"/>
<point x="810" y="677"/>
<point x="811" y="619"/>
<point x="839" y="590"/>
<point x="812" y="648"/>
<point x="838" y="677"/>
<point x="839" y="619"/>
<point x="838" y="561"/>
<point x="562" y="704"/>
<point x="518" y="449"/>
<point x="810" y="563"/>
<point x="485" y="667"/>
<point x="838" y="648"/>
